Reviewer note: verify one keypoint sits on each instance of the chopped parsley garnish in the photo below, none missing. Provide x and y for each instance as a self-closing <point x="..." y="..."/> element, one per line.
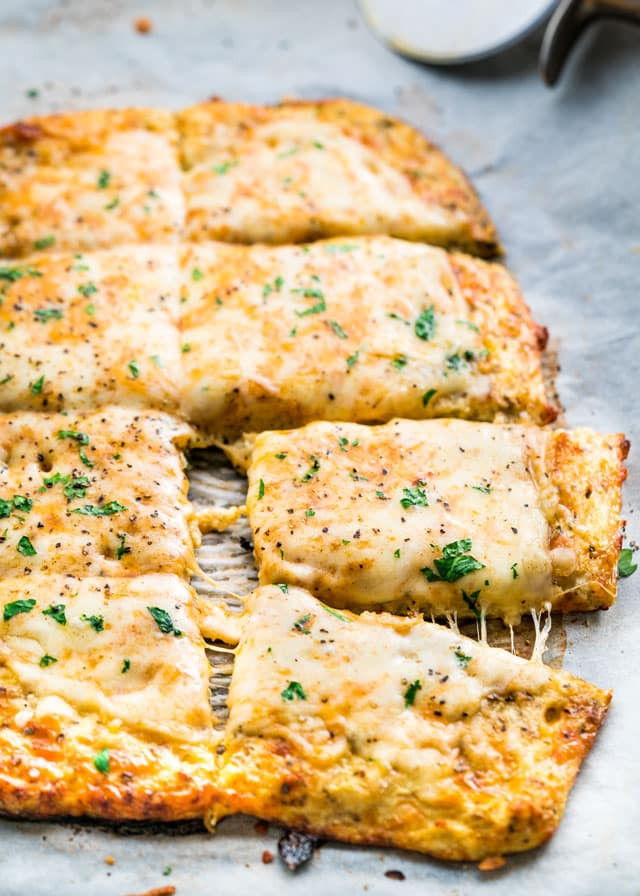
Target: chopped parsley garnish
<point x="400" y="361"/>
<point x="47" y="660"/>
<point x="57" y="612"/>
<point x="293" y="689"/>
<point x="381" y="495"/>
<point x="357" y="477"/>
<point x="50" y="481"/>
<point x="26" y="548"/>
<point x="17" y="606"/>
<point x="456" y="562"/>
<point x="281" y="455"/>
<point x="81" y="437"/>
<point x="337" y="329"/>
<point x="261" y="490"/>
<point x="313" y="469"/>
<point x="411" y="692"/>
<point x="101" y="761"/>
<point x="415" y="497"/>
<point x="284" y="588"/>
<point x="44" y="314"/>
<point x="300" y="625"/>
<point x="6" y="379"/>
<point x="317" y="144"/>
<point x="425" y="325"/>
<point x="44" y="242"/>
<point x="310" y="512"/>
<point x="107" y="509"/>
<point x="396" y="553"/>
<point x="5" y="507"/>
<point x="471" y="600"/>
<point x="403" y="320"/>
<point x="87" y="289"/>
<point x="122" y="547"/>
<point x="482" y="488"/>
<point x="351" y="360"/>
<point x="36" y="388"/>
<point x="225" y="166"/>
<point x="134" y="370"/>
<point x="626" y="566"/>
<point x="115" y="202"/>
<point x="104" y="179"/>
<point x="428" y="395"/>
<point x="20" y="503"/>
<point x="13" y="274"/>
<point x="126" y="665"/>
<point x="83" y="457"/>
<point x="196" y="274"/>
<point x="76" y="487"/>
<point x="461" y="656"/>
<point x="330" y="609"/>
<point x="96" y="622"/>
<point x="267" y="289"/>
<point x="164" y="622"/>
<point x="514" y="571"/>
<point x="469" y="324"/>
<point x="457" y="362"/>
<point x="186" y="348"/>
<point x="90" y="308"/>
<point x="314" y="309"/>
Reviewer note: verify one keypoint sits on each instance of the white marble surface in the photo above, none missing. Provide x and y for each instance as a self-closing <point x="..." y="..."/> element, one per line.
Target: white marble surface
<point x="560" y="172"/>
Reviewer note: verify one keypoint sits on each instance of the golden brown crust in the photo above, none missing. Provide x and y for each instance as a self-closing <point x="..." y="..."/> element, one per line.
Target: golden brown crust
<point x="587" y="471"/>
<point x="426" y="175"/>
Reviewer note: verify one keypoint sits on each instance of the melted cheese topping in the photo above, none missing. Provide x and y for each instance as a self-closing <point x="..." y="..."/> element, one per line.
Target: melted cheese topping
<point x="358" y="329"/>
<point x="133" y="466"/>
<point x="89" y="180"/>
<point x="164" y="689"/>
<point x="338" y="526"/>
<point x="63" y="343"/>
<point x="386" y="730"/>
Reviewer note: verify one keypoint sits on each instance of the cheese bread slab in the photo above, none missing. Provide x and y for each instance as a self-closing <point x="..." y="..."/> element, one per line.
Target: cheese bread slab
<point x="362" y="329"/>
<point x="393" y="731"/>
<point x="79" y="330"/>
<point x="104" y="700"/>
<point x="89" y="180"/>
<point x="94" y="494"/>
<point x="444" y="516"/>
<point x="303" y="170"/>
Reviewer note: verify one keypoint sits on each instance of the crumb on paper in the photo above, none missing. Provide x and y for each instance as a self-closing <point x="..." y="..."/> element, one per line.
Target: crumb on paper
<point x="267" y="857"/>
<point x="394" y="874"/>
<point x="491" y="863"/>
<point x="261" y="827"/>
<point x="156" y="891"/>
<point x="109" y="860"/>
<point x="143" y="25"/>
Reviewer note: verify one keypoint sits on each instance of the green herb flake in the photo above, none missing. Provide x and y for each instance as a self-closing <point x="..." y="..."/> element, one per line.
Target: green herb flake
<point x="26" y="548"/>
<point x="337" y="329"/>
<point x="313" y="469"/>
<point x="514" y="571"/>
<point x="126" y="665"/>
<point x="44" y="242"/>
<point x="57" y="612"/>
<point x="36" y="388"/>
<point x="47" y="660"/>
<point x="381" y="495"/>
<point x="15" y="607"/>
<point x="80" y="437"/>
<point x="13" y="274"/>
<point x="461" y="656"/>
<point x="96" y="622"/>
<point x="101" y="761"/>
<point x="22" y="503"/>
<point x="400" y="361"/>
<point x="196" y="274"/>
<point x="6" y="379"/>
<point x="300" y="625"/>
<point x="83" y="457"/>
<point x="293" y="689"/>
<point x="115" y="202"/>
<point x="425" y="325"/>
<point x="225" y="166"/>
<point x="134" y="370"/>
<point x="164" y="621"/>
<point x="281" y="455"/>
<point x="261" y="490"/>
<point x="415" y="497"/>
<point x="76" y="487"/>
<point x="471" y="600"/>
<point x="6" y="506"/>
<point x="352" y="359"/>
<point x="314" y="309"/>
<point x="411" y="692"/>
<point x="108" y="509"/>
<point x="396" y="553"/>
<point x="427" y="396"/>
<point x="122" y="547"/>
<point x="626" y="566"/>
<point x="482" y="488"/>
<point x="90" y="308"/>
<point x="104" y="178"/>
<point x="310" y="512"/>
<point x="42" y="315"/>
<point x="186" y="348"/>
<point x="284" y="588"/>
<point x="167" y="871"/>
<point x="469" y="325"/>
<point x="456" y="561"/>
<point x="398" y="317"/>
<point x="87" y="289"/>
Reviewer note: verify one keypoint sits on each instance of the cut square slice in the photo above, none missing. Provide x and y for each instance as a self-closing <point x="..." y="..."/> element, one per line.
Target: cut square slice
<point x="362" y="329"/>
<point x="89" y="180"/>
<point x="94" y="494"/>
<point x="104" y="699"/>
<point x="393" y="731"/>
<point x="80" y="331"/>
<point x="303" y="170"/>
<point x="444" y="516"/>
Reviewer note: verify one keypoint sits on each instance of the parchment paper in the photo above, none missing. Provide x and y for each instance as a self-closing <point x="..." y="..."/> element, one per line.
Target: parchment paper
<point x="560" y="173"/>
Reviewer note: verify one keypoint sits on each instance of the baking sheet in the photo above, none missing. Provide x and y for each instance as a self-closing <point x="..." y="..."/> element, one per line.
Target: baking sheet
<point x="560" y="173"/>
